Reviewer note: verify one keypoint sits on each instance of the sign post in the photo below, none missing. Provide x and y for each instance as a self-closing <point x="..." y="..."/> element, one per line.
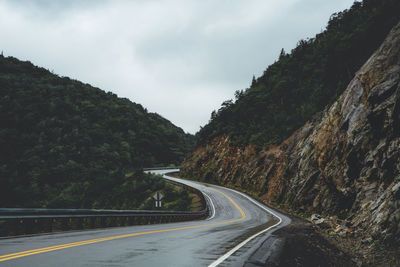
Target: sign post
<point x="158" y="196"/>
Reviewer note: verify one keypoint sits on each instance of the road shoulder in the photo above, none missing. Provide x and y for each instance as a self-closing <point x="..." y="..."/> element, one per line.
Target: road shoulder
<point x="298" y="244"/>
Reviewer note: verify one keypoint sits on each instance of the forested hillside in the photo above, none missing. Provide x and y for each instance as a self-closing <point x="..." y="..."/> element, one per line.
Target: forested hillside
<point x="342" y="166"/>
<point x="303" y="82"/>
<point x="64" y="143"/>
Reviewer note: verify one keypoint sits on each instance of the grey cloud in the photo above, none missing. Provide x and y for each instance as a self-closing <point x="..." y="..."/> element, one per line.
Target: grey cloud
<point x="193" y="54"/>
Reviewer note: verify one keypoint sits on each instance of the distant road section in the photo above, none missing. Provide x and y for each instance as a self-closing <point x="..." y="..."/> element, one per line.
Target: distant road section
<point x="236" y="227"/>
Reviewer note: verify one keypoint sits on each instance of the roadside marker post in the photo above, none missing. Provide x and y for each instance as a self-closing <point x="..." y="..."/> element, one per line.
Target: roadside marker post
<point x="158" y="196"/>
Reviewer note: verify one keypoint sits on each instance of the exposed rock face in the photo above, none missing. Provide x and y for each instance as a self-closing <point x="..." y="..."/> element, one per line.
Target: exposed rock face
<point x="344" y="162"/>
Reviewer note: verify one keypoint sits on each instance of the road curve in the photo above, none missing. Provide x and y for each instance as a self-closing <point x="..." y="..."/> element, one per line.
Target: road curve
<point x="236" y="227"/>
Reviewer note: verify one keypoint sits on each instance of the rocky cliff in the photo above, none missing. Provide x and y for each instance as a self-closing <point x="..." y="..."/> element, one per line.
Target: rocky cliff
<point x="344" y="163"/>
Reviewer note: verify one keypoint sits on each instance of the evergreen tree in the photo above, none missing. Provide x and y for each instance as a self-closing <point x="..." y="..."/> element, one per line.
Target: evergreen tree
<point x="302" y="83"/>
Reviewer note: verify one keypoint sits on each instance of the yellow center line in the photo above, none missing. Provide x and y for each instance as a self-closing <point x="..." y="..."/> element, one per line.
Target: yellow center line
<point x="97" y="240"/>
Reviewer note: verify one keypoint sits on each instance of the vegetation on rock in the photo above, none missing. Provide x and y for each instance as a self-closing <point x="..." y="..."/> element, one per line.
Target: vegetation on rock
<point x="319" y="132"/>
<point x="343" y="164"/>
<point x="304" y="81"/>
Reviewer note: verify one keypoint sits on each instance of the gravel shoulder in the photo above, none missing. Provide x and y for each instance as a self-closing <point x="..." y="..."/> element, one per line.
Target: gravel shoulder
<point x="299" y="244"/>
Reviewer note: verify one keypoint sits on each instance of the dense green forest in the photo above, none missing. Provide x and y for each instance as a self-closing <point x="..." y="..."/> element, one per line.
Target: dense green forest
<point x="66" y="144"/>
<point x="302" y="83"/>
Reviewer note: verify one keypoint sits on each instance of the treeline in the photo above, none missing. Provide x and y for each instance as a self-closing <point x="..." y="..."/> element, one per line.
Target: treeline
<point x="303" y="82"/>
<point x="67" y="144"/>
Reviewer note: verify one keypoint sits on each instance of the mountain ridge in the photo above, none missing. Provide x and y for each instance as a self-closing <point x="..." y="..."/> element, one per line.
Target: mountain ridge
<point x="304" y="81"/>
<point x="67" y="144"/>
<point x="342" y="164"/>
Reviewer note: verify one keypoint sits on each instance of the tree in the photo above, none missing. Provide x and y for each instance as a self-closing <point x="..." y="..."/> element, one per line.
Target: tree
<point x="253" y="81"/>
<point x="65" y="143"/>
<point x="295" y="87"/>
<point x="282" y="54"/>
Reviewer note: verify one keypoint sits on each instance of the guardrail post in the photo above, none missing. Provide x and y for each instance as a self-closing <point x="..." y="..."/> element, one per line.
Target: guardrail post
<point x="27" y="223"/>
<point x="90" y="222"/>
<point x="102" y="222"/>
<point x="45" y="224"/>
<point x="80" y="223"/>
<point x="12" y="227"/>
<point x="64" y="224"/>
<point x="54" y="223"/>
<point x="37" y="225"/>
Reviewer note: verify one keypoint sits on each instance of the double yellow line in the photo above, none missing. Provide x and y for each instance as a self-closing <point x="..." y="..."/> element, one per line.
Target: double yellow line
<point x="97" y="240"/>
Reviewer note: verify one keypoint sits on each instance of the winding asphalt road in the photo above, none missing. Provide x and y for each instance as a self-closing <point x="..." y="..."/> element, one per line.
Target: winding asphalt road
<point x="236" y="227"/>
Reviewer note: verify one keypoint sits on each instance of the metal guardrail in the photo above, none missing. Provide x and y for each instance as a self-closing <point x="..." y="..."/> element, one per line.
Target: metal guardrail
<point x="22" y="221"/>
<point x="203" y="203"/>
<point x="28" y="221"/>
<point x="6" y="213"/>
<point x="161" y="168"/>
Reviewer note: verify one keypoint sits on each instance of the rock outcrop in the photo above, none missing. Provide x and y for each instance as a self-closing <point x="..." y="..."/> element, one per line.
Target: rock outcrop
<point x="343" y="163"/>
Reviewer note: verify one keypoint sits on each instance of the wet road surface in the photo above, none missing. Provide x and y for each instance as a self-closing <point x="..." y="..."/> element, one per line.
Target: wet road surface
<point x="233" y="219"/>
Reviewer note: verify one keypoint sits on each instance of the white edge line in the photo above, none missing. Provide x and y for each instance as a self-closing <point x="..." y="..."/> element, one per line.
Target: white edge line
<point x="237" y="247"/>
<point x="209" y="198"/>
<point x="212" y="206"/>
<point x="233" y="250"/>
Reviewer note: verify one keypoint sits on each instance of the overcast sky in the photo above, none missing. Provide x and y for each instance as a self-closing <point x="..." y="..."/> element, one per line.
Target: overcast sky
<point x="179" y="58"/>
